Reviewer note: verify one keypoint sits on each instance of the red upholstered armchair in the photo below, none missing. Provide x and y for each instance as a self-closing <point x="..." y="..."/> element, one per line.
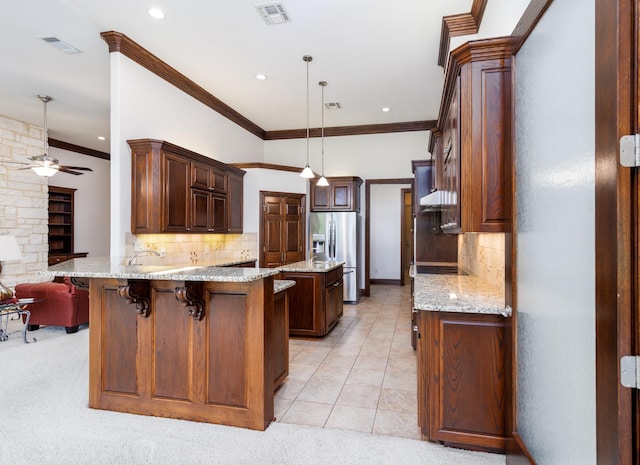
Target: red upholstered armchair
<point x="57" y="304"/>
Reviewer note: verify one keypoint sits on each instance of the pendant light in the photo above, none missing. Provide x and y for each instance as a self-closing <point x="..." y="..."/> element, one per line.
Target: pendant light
<point x="307" y="172"/>
<point x="48" y="165"/>
<point x="322" y="181"/>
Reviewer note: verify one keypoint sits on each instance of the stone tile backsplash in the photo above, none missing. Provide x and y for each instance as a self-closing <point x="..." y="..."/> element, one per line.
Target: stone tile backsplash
<point x="483" y="255"/>
<point x="192" y="248"/>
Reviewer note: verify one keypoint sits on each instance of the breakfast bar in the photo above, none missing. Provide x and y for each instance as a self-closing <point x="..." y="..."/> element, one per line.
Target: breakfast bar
<point x="189" y="342"/>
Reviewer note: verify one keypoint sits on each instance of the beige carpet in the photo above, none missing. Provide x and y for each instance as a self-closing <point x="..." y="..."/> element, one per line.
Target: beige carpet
<point x="44" y="419"/>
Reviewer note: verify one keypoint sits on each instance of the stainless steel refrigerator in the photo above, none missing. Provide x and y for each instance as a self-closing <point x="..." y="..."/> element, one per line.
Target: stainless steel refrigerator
<point x="335" y="236"/>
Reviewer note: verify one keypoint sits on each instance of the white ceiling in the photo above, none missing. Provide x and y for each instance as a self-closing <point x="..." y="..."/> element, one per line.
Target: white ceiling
<point x="372" y="53"/>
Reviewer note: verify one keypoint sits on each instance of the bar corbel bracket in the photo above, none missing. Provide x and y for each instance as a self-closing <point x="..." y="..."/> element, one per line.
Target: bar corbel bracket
<point x="138" y="293"/>
<point x="190" y="296"/>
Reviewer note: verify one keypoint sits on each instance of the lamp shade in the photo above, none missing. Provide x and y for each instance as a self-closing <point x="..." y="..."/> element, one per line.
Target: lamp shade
<point x="9" y="249"/>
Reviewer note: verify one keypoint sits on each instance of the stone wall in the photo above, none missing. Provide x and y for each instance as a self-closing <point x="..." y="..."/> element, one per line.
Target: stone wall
<point x="23" y="201"/>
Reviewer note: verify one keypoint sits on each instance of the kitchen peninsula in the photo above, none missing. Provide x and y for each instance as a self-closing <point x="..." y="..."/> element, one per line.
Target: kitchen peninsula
<point x="192" y="342"/>
<point x="462" y="352"/>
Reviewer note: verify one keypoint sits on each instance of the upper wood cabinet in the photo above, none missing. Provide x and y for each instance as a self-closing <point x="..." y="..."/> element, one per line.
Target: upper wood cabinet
<point x="473" y="160"/>
<point x="424" y="181"/>
<point x="175" y="190"/>
<point x="342" y="194"/>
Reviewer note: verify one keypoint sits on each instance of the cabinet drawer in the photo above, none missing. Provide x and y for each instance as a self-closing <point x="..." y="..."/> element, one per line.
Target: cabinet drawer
<point x="333" y="276"/>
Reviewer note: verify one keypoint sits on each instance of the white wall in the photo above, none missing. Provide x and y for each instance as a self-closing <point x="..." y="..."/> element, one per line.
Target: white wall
<point x="555" y="170"/>
<point x="145" y="106"/>
<point x="385" y="242"/>
<point x="91" y="200"/>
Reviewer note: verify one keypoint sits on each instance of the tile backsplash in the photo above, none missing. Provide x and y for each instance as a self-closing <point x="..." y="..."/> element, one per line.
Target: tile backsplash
<point x="192" y="248"/>
<point x="483" y="255"/>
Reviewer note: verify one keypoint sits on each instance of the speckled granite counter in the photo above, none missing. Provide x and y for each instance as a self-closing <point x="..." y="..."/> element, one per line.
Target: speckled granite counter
<point x="112" y="267"/>
<point x="306" y="266"/>
<point x="280" y="285"/>
<point x="457" y="293"/>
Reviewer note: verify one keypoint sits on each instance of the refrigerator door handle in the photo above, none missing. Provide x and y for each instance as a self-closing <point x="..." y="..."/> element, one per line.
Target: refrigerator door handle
<point x="347" y="272"/>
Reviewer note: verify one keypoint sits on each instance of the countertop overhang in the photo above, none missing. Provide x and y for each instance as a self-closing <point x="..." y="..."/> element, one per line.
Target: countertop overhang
<point x="307" y="266"/>
<point x="112" y="267"/>
<point x="457" y="294"/>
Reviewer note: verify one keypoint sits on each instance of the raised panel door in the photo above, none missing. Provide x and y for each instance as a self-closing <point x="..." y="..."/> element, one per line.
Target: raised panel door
<point x="218" y="214"/>
<point x="272" y="231"/>
<point x="320" y="197"/>
<point x="200" y="201"/>
<point x="293" y="239"/>
<point x="234" y="204"/>
<point x="341" y="196"/>
<point x="176" y="210"/>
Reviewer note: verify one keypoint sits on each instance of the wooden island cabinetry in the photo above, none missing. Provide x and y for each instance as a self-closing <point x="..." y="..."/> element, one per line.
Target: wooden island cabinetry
<point x="315" y="302"/>
<point x="175" y="190"/>
<point x="473" y="157"/>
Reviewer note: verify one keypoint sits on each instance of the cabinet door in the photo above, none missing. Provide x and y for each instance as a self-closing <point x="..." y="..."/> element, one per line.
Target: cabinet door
<point x="200" y="210"/>
<point x="451" y="166"/>
<point x="176" y="210"/>
<point x="218" y="213"/>
<point x="200" y="176"/>
<point x="319" y="197"/>
<point x="234" y="203"/>
<point x="341" y="196"/>
<point x="334" y="302"/>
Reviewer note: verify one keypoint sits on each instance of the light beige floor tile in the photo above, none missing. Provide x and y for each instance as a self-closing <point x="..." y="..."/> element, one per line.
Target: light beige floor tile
<point x="307" y="357"/>
<point x="339" y="360"/>
<point x="356" y="395"/>
<point x="330" y="374"/>
<point x="398" y="401"/>
<point x="301" y="372"/>
<point x="351" y="418"/>
<point x="366" y="377"/>
<point x="370" y="362"/>
<point x="326" y="393"/>
<point x="307" y="413"/>
<point x="399" y="424"/>
<point x="280" y="407"/>
<point x="397" y="379"/>
<point x="290" y="388"/>
<point x="405" y="363"/>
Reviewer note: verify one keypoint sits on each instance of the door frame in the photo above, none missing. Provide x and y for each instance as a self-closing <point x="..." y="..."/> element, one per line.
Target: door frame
<point x="367" y="225"/>
<point x="404" y="259"/>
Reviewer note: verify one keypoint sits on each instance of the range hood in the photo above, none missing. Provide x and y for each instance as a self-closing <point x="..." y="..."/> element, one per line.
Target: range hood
<point x="432" y="201"/>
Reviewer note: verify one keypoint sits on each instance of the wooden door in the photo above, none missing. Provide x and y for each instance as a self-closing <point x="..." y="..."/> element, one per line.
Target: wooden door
<point x="282" y="222"/>
<point x="617" y="230"/>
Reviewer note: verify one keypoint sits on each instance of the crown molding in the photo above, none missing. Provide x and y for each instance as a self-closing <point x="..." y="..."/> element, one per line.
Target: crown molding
<point x="460" y="25"/>
<point x="352" y="130"/>
<point x="59" y="144"/>
<point x="265" y="166"/>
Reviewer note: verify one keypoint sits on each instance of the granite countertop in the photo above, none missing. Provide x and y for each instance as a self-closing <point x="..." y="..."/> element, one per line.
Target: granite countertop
<point x="457" y="293"/>
<point x="280" y="285"/>
<point x="306" y="266"/>
<point x="112" y="267"/>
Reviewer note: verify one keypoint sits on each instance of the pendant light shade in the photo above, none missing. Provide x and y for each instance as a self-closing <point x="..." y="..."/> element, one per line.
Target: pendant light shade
<point x="322" y="181"/>
<point x="307" y="172"/>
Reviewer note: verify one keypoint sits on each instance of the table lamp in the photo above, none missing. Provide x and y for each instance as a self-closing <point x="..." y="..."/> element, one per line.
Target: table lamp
<point x="9" y="250"/>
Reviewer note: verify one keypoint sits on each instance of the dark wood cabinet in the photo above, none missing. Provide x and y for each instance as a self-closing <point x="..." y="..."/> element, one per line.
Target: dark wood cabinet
<point x="474" y="162"/>
<point x="61" y="225"/>
<point x="315" y="302"/>
<point x="461" y="379"/>
<point x="283" y="229"/>
<point x="280" y="337"/>
<point x="174" y="190"/>
<point x="342" y="194"/>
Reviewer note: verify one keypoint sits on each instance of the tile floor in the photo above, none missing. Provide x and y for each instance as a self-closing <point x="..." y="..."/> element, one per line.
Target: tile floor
<point x="361" y="376"/>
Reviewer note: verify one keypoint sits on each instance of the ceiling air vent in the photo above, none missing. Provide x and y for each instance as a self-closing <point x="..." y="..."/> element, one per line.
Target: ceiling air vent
<point x="273" y="13"/>
<point x="60" y="45"/>
<point x="333" y="105"/>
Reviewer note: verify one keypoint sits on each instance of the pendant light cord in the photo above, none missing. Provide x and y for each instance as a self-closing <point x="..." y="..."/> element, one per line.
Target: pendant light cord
<point x="308" y="111"/>
<point x="322" y="84"/>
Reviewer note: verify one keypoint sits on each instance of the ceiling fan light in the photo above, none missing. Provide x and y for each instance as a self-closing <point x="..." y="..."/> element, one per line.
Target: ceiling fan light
<point x="323" y="181"/>
<point x="44" y="171"/>
<point x="307" y="172"/>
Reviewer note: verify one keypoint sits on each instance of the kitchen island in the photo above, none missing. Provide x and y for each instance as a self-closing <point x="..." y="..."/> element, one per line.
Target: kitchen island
<point x="316" y="301"/>
<point x="191" y="342"/>
<point x="463" y="355"/>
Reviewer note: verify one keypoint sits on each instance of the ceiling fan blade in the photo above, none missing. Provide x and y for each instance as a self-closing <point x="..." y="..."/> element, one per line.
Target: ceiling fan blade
<point x="65" y="170"/>
<point x="81" y="168"/>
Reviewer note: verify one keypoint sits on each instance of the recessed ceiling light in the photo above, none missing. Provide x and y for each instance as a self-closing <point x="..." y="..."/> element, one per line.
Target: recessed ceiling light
<point x="261" y="77"/>
<point x="386" y="109"/>
<point x="102" y="138"/>
<point x="156" y="13"/>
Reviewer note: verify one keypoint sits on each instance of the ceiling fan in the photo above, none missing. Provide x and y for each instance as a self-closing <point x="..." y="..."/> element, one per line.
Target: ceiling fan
<point x="45" y="165"/>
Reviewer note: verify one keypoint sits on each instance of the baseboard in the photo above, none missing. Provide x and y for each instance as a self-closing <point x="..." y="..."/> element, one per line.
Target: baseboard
<point x="394" y="282"/>
<point x="517" y="452"/>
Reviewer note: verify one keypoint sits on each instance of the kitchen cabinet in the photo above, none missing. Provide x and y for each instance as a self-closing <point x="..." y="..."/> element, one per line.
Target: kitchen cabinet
<point x="61" y="225"/>
<point x="175" y="190"/>
<point x="461" y="379"/>
<point x="342" y="194"/>
<point x="474" y="163"/>
<point x="315" y="302"/>
<point x="280" y="337"/>
<point x="282" y="218"/>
